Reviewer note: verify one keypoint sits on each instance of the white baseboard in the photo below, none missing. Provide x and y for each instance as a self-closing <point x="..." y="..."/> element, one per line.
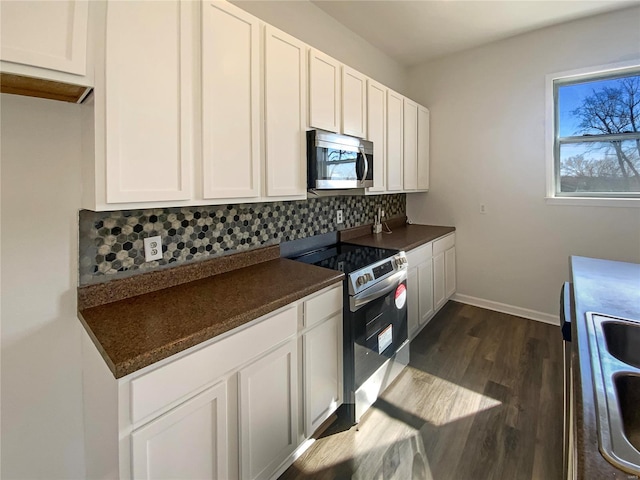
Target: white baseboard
<point x="504" y="308"/>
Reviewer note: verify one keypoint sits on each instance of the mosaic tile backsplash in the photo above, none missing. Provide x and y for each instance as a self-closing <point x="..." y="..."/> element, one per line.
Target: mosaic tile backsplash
<point x="111" y="243"/>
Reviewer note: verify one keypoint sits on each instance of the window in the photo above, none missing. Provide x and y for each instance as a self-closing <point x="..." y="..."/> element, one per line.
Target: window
<point x="596" y="137"/>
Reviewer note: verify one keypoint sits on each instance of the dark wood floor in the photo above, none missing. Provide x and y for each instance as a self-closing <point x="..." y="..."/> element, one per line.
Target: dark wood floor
<point x="481" y="399"/>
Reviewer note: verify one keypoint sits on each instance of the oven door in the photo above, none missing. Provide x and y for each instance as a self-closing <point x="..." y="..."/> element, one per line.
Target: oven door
<point x="379" y="323"/>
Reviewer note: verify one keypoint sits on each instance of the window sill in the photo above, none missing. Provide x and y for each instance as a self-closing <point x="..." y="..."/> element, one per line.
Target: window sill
<point x="593" y="202"/>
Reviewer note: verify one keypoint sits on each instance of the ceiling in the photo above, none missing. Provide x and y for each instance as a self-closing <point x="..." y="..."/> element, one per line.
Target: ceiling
<point x="412" y="32"/>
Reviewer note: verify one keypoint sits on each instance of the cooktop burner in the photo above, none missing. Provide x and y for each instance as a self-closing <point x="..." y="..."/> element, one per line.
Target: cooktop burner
<point x="346" y="257"/>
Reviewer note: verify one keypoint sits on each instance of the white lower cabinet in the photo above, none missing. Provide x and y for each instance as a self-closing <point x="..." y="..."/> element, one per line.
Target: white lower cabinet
<point x="413" y="302"/>
<point x="439" y="297"/>
<point x="425" y="279"/>
<point x="444" y="269"/>
<point x="450" y="271"/>
<point x="231" y="408"/>
<point x="268" y="412"/>
<point x="188" y="442"/>
<point x="420" y="288"/>
<point x="431" y="280"/>
<point x="322" y="347"/>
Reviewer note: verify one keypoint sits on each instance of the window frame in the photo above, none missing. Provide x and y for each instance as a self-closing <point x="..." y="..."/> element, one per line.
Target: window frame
<point x="553" y="140"/>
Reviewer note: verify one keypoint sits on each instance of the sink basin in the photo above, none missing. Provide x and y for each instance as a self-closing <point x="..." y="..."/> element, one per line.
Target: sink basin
<point x="623" y="341"/>
<point x="614" y="344"/>
<point x="628" y="393"/>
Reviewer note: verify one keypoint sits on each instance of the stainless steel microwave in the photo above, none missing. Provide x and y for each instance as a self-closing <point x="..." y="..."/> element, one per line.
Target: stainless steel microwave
<point x="338" y="161"/>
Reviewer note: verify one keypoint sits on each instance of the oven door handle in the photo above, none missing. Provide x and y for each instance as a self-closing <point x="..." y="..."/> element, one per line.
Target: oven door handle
<point x="378" y="290"/>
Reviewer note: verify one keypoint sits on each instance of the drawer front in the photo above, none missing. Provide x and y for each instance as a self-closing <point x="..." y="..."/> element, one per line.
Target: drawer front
<point x="444" y="244"/>
<point x="419" y="254"/>
<point x="159" y="388"/>
<point x="322" y="306"/>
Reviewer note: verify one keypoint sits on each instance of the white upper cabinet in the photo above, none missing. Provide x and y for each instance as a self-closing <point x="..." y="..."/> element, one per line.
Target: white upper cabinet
<point x="230" y="102"/>
<point x="45" y="34"/>
<point x="223" y="116"/>
<point x="324" y="91"/>
<point x="395" y="141"/>
<point x="410" y="145"/>
<point x="285" y="91"/>
<point x="423" y="148"/>
<point x="377" y="132"/>
<point x="354" y="103"/>
<point x="143" y="132"/>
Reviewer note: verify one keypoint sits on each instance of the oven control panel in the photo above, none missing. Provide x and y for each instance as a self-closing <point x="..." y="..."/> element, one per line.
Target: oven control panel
<point x="368" y="276"/>
<point x="381" y="270"/>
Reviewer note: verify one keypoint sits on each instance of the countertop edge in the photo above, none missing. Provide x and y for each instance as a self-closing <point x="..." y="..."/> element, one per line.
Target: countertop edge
<point x="134" y="364"/>
<point x="590" y="462"/>
<point x="137" y="363"/>
<point x="417" y="239"/>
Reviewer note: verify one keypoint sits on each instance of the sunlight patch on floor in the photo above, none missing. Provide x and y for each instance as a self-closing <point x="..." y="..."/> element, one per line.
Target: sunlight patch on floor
<point x="439" y="401"/>
<point x="396" y="421"/>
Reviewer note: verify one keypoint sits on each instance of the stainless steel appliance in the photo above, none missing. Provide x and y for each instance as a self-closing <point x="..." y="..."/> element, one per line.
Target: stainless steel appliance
<point x="376" y="346"/>
<point x="338" y="161"/>
<point x="566" y="313"/>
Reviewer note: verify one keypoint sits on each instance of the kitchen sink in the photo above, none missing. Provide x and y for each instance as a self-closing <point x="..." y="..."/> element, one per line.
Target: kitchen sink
<point x="615" y="356"/>
<point x="623" y="341"/>
<point x="628" y="393"/>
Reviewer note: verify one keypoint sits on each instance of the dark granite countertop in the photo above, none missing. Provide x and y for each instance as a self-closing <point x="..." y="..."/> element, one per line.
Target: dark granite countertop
<point x="403" y="237"/>
<point x="135" y="332"/>
<point x="611" y="288"/>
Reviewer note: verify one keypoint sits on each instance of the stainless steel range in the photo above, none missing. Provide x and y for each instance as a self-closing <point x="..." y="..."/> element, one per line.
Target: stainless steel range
<point x="376" y="346"/>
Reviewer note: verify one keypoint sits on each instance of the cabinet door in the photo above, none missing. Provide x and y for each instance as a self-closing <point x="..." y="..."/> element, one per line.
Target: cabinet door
<point x="354" y="103"/>
<point x="230" y="101"/>
<point x="413" y="301"/>
<point x="377" y="132"/>
<point x="450" y="271"/>
<point x="322" y="347"/>
<point x="285" y="87"/>
<point x="410" y="145"/>
<point x="51" y="35"/>
<point x="438" y="281"/>
<point x="394" y="141"/>
<point x="425" y="280"/>
<point x="149" y="103"/>
<point x="423" y="148"/>
<point x="324" y="91"/>
<point x="189" y="442"/>
<point x="268" y="412"/>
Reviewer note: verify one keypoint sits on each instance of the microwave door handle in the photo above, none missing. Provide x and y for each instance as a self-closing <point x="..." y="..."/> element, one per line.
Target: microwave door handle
<point x="366" y="166"/>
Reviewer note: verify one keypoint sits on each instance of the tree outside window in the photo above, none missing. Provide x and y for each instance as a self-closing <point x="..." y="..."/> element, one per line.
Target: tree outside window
<point x="597" y="136"/>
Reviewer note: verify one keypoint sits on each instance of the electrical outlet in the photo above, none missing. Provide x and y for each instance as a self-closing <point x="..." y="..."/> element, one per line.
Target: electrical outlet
<point x="339" y="218"/>
<point x="483" y="208"/>
<point x="152" y="248"/>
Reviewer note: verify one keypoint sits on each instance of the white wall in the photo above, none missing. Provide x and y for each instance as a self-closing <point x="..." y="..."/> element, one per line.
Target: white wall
<point x="40" y="339"/>
<point x="488" y="146"/>
<point x="305" y="21"/>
